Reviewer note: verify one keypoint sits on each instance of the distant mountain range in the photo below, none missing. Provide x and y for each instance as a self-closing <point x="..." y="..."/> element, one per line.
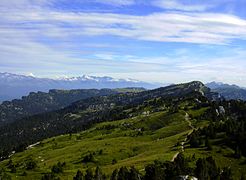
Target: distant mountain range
<point x="14" y="86"/>
<point x="228" y="91"/>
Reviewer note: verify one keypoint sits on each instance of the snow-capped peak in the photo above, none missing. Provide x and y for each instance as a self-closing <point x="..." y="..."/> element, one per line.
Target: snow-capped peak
<point x="14" y="86"/>
<point x="10" y="76"/>
<point x="31" y="75"/>
<point x="96" y="79"/>
<point x="82" y="78"/>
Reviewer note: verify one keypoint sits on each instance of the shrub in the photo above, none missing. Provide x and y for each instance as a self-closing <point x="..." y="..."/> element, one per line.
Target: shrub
<point x="114" y="161"/>
<point x="30" y="164"/>
<point x="89" y="158"/>
<point x="58" y="168"/>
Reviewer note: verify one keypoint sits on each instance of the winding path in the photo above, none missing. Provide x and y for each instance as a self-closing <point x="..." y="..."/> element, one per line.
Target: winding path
<point x="187" y="119"/>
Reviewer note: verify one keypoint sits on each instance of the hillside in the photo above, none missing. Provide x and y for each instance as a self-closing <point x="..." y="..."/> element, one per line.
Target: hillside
<point x="170" y="125"/>
<point x="181" y="126"/>
<point x="41" y="102"/>
<point x="80" y="115"/>
<point x="134" y="141"/>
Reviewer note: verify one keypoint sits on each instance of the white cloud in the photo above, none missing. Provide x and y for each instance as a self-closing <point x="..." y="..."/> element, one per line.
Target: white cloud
<point x="189" y="27"/>
<point x="107" y="56"/>
<point x="25" y="37"/>
<point x="215" y="69"/>
<point x="201" y="28"/>
<point x="23" y="4"/>
<point x="180" y="5"/>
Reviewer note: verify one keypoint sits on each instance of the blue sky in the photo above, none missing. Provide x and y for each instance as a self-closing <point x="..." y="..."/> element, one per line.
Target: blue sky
<point x="167" y="41"/>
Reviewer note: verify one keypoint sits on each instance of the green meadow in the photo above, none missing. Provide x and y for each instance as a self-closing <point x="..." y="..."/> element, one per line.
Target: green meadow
<point x="135" y="142"/>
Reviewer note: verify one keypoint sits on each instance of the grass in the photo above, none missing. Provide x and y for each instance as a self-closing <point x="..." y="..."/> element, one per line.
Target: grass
<point x="198" y="112"/>
<point x="135" y="141"/>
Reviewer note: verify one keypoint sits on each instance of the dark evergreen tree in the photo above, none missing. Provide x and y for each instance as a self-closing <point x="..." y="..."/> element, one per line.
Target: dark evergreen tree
<point x="49" y="176"/>
<point x="208" y="144"/>
<point x="134" y="174"/>
<point x="89" y="174"/>
<point x="213" y="170"/>
<point x="194" y="141"/>
<point x="13" y="169"/>
<point x="154" y="172"/>
<point x="57" y="168"/>
<point x="89" y="158"/>
<point x="123" y="174"/>
<point x="206" y="169"/>
<point x="79" y="176"/>
<point x="181" y="165"/>
<point x="98" y="174"/>
<point x="114" y="175"/>
<point x="5" y="176"/>
<point x="201" y="170"/>
<point x="226" y="174"/>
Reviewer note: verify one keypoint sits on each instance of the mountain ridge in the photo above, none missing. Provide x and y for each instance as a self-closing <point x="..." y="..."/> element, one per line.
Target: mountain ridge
<point x="42" y="102"/>
<point x="83" y="113"/>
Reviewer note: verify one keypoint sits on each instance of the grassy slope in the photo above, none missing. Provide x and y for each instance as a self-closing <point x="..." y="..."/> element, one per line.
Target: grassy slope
<point x="119" y="140"/>
<point x="122" y="140"/>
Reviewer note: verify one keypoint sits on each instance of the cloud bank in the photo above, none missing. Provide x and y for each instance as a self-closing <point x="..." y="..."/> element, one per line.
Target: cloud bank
<point x="36" y="37"/>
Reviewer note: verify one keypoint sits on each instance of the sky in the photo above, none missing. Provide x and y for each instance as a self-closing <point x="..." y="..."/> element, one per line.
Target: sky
<point x="165" y="41"/>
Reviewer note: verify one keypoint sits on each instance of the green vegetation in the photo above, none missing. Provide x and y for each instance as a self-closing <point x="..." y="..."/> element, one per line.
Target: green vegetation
<point x="159" y="134"/>
<point x="41" y="102"/>
<point x="83" y="114"/>
<point x="135" y="141"/>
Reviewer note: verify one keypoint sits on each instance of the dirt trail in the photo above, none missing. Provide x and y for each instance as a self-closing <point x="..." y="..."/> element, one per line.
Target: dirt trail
<point x="175" y="156"/>
<point x="187" y="119"/>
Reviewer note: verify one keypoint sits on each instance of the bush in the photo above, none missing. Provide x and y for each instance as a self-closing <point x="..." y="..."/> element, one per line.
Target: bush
<point x="89" y="158"/>
<point x="5" y="176"/>
<point x="49" y="176"/>
<point x="100" y="152"/>
<point x="58" y="168"/>
<point x="114" y="161"/>
<point x="13" y="169"/>
<point x="30" y="164"/>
